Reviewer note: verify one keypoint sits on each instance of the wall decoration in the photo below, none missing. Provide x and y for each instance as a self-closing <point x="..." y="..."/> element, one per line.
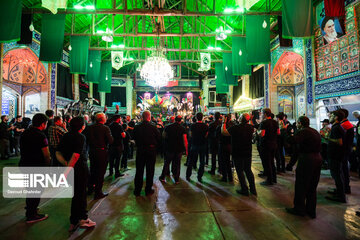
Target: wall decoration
<point x="354" y="64"/>
<point x="289" y="69"/>
<point x="350" y="25"/>
<point x="352" y="37"/>
<point x="266" y="82"/>
<point x="53" y="86"/>
<point x="309" y="77"/>
<point x="327" y="25"/>
<point x="354" y="51"/>
<point x="334" y="46"/>
<point x="345" y="67"/>
<point x="336" y="58"/>
<point x="337" y="71"/>
<point x="344" y="54"/>
<point x="329" y="73"/>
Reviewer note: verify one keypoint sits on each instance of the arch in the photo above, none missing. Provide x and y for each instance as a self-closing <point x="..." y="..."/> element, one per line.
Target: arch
<point x="289" y="69"/>
<point x="286" y="101"/>
<point x="31" y="102"/>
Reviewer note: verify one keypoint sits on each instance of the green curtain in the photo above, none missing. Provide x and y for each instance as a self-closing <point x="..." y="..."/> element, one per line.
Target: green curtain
<point x="105" y="77"/>
<point x="297" y="18"/>
<point x="94" y="65"/>
<point x="10" y="20"/>
<point x="258" y="39"/>
<point x="221" y="85"/>
<point x="228" y="69"/>
<point x="52" y="37"/>
<point x="79" y="54"/>
<point x="239" y="57"/>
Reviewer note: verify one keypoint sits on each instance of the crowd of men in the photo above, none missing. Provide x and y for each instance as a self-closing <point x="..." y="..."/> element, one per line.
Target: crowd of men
<point x="66" y="141"/>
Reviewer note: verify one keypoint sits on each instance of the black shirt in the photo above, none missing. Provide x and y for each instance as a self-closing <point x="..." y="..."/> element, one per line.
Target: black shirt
<point x="18" y="125"/>
<point x="271" y="129"/>
<point x="99" y="136"/>
<point x="4" y="133"/>
<point x="32" y="141"/>
<point x="308" y="140"/>
<point x="198" y="133"/>
<point x="174" y="138"/>
<point x="116" y="131"/>
<point x="335" y="151"/>
<point x="127" y="139"/>
<point x="73" y="142"/>
<point x="212" y="132"/>
<point x="146" y="136"/>
<point x="241" y="139"/>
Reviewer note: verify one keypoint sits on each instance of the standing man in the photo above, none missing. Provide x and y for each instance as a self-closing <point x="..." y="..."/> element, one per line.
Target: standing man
<point x="56" y="132"/>
<point x="198" y="133"/>
<point x="99" y="137"/>
<point x="34" y="152"/>
<point x="147" y="138"/>
<point x="214" y="141"/>
<point x="18" y="130"/>
<point x="356" y="114"/>
<point x="117" y="147"/>
<point x="324" y="133"/>
<point x="241" y="143"/>
<point x="50" y="114"/>
<point x="308" y="169"/>
<point x="5" y="131"/>
<point x="176" y="144"/>
<point x="269" y="133"/>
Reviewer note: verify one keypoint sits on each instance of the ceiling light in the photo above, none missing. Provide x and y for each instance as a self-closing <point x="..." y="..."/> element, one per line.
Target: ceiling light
<point x="228" y="10"/>
<point x="88" y="7"/>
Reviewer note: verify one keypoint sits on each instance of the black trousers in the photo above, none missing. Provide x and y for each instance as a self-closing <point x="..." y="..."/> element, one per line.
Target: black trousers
<point x="214" y="152"/>
<point x="79" y="202"/>
<point x="337" y="173"/>
<point x="307" y="178"/>
<point x="268" y="153"/>
<point x="195" y="151"/>
<point x="280" y="156"/>
<point x="17" y="145"/>
<point x="346" y="170"/>
<point x="114" y="160"/>
<point x="324" y="153"/>
<point x="144" y="158"/>
<point x="225" y="158"/>
<point x="98" y="163"/>
<point x="125" y="156"/>
<point x="31" y="206"/>
<point x="242" y="163"/>
<point x="175" y="160"/>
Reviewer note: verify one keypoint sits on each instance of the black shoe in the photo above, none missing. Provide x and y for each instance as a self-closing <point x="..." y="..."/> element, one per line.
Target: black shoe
<point x="199" y="179"/>
<point x="348" y="191"/>
<point x="101" y="195"/>
<point x="37" y="218"/>
<point x="266" y="183"/>
<point x="261" y="175"/>
<point x="253" y="192"/>
<point x="243" y="192"/>
<point x="293" y="211"/>
<point x="336" y="199"/>
<point x="117" y="175"/>
<point x="188" y="179"/>
<point x="333" y="192"/>
<point x="137" y="194"/>
<point x="90" y="191"/>
<point x="110" y="174"/>
<point x="211" y="172"/>
<point x="311" y="215"/>
<point x="149" y="193"/>
<point x="358" y="213"/>
<point x="288" y="168"/>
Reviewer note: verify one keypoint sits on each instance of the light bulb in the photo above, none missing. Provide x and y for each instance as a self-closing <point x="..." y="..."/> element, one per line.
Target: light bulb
<point x="240" y="52"/>
<point x="226" y="68"/>
<point x="31" y="27"/>
<point x="69" y="47"/>
<point x="264" y="24"/>
<point x="91" y="64"/>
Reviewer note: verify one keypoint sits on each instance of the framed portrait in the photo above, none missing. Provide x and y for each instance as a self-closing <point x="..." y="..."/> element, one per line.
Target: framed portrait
<point x="320" y="63"/>
<point x="329" y="72"/>
<point x="337" y="71"/>
<point x="334" y="46"/>
<point x="321" y="75"/>
<point x="344" y="55"/>
<point x="355" y="64"/>
<point x="331" y="29"/>
<point x="336" y="58"/>
<point x="350" y="13"/>
<point x="354" y="51"/>
<point x="352" y="38"/>
<point x="327" y="61"/>
<point x="350" y="25"/>
<point x="344" y="42"/>
<point x="320" y="52"/>
<point x="345" y="68"/>
<point x="326" y="50"/>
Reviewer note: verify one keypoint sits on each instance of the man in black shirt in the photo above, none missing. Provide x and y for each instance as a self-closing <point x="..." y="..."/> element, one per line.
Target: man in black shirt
<point x="117" y="147"/>
<point x="98" y="137"/>
<point x="308" y="169"/>
<point x="18" y="130"/>
<point x="198" y="132"/>
<point x="34" y="152"/>
<point x="269" y="132"/>
<point x="5" y="131"/>
<point x="147" y="138"/>
<point x="214" y="141"/>
<point x="241" y="141"/>
<point x="126" y="142"/>
<point x="176" y="144"/>
<point x="71" y="152"/>
<point x="50" y="114"/>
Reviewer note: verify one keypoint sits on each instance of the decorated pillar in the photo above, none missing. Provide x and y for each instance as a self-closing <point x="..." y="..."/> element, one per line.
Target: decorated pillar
<point x="129" y="95"/>
<point x="266" y="86"/>
<point x="230" y="96"/>
<point x="205" y="88"/>
<point x="310" y="77"/>
<point x="1" y="72"/>
<point x="76" y="87"/>
<point x="52" y="86"/>
<point x="102" y="98"/>
<point x="246" y="86"/>
<point x="91" y="92"/>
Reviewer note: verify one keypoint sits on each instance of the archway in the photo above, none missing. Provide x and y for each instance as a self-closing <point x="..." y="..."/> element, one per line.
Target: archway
<point x="286" y="103"/>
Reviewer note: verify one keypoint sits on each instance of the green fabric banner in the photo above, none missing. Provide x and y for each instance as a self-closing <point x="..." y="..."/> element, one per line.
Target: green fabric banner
<point x="297" y="18"/>
<point x="79" y="54"/>
<point x="239" y="57"/>
<point x="94" y="65"/>
<point x="221" y="85"/>
<point x="228" y="69"/>
<point x="258" y="39"/>
<point x="105" y="77"/>
<point x="52" y="37"/>
<point x="10" y="20"/>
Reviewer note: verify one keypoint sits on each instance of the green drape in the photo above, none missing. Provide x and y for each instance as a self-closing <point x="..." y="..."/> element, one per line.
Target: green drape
<point x="52" y="37"/>
<point x="10" y="20"/>
<point x="228" y="69"/>
<point x="258" y="39"/>
<point x="221" y="86"/>
<point x="105" y="77"/>
<point x="239" y="57"/>
<point x="297" y="18"/>
<point x="79" y="54"/>
<point x="94" y="65"/>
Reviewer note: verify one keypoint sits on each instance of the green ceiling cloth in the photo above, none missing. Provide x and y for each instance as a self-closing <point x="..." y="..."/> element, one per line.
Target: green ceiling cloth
<point x="228" y="69"/>
<point x="297" y="18"/>
<point x="221" y="85"/>
<point x="258" y="39"/>
<point x="79" y="54"/>
<point x="105" y="77"/>
<point x="52" y="37"/>
<point x="10" y="20"/>
<point x="94" y="65"/>
<point x="239" y="57"/>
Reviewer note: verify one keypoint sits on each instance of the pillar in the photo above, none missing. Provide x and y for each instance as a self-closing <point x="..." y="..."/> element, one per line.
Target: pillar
<point x="1" y="72"/>
<point x="91" y="92"/>
<point x="267" y="91"/>
<point x="102" y="98"/>
<point x="310" y="81"/>
<point x="76" y="87"/>
<point x="246" y="86"/>
<point x="129" y="95"/>
<point x="231" y="94"/>
<point x="205" y="88"/>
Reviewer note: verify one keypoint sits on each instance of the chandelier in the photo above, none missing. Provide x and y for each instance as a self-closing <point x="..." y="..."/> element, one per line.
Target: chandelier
<point x="156" y="70"/>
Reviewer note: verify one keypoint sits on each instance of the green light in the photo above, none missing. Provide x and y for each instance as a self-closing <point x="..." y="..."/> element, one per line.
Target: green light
<point x="117" y="46"/>
<point x="228" y="10"/>
<point x="100" y="32"/>
<point x="88" y="7"/>
<point x="214" y="48"/>
<point x="240" y="10"/>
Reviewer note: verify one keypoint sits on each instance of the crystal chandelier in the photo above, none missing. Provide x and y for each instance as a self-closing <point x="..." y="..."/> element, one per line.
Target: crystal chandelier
<point x="156" y="70"/>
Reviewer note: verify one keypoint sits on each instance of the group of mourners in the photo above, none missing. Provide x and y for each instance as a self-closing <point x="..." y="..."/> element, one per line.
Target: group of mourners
<point x="71" y="141"/>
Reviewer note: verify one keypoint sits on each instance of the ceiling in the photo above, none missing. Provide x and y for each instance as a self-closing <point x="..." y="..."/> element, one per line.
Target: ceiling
<point x="185" y="28"/>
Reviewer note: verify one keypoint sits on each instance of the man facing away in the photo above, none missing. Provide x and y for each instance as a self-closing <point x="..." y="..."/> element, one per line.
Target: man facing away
<point x="56" y="132"/>
<point x="214" y="141"/>
<point x="117" y="147"/>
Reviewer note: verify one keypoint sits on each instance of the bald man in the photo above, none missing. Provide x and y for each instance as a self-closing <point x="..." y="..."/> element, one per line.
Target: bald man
<point x="147" y="137"/>
<point x="99" y="137"/>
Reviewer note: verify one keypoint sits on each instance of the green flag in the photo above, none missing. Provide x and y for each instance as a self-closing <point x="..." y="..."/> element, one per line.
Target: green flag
<point x="105" y="77"/>
<point x="10" y="20"/>
<point x="79" y="54"/>
<point x="239" y="57"/>
<point x="221" y="86"/>
<point x="52" y="37"/>
<point x="228" y="69"/>
<point x="297" y="18"/>
<point x="258" y="39"/>
<point x="94" y="65"/>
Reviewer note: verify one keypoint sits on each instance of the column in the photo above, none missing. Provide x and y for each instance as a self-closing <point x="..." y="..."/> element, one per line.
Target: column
<point x="267" y="96"/>
<point x="1" y="72"/>
<point x="129" y="95"/>
<point x="76" y="87"/>
<point x="309" y="81"/>
<point x="205" y="88"/>
<point x="102" y="98"/>
<point x="246" y="86"/>
<point x="91" y="92"/>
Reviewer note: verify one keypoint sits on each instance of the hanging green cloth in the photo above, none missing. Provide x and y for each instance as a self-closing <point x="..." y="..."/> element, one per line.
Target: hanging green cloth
<point x="297" y="18"/>
<point x="239" y="57"/>
<point x="94" y="65"/>
<point x="105" y="77"/>
<point x="52" y="37"/>
<point x="10" y="20"/>
<point x="221" y="86"/>
<point x="228" y="69"/>
<point x="258" y="39"/>
<point x="79" y="54"/>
